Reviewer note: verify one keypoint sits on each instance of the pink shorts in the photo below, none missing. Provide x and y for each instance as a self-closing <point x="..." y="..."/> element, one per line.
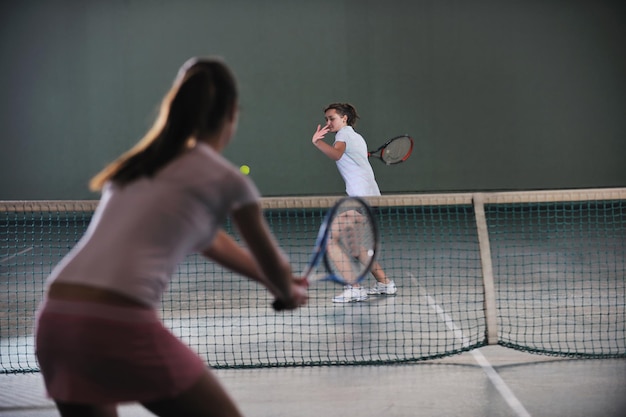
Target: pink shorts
<point x="99" y="354"/>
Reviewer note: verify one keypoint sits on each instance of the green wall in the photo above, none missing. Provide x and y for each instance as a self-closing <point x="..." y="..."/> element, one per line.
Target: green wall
<point x="498" y="94"/>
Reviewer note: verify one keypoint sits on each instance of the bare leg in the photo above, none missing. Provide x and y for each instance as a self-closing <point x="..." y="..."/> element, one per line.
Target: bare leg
<point x="346" y="226"/>
<point x="341" y="260"/>
<point x="86" y="410"/>
<point x="379" y="274"/>
<point x="206" y="397"/>
<point x="377" y="270"/>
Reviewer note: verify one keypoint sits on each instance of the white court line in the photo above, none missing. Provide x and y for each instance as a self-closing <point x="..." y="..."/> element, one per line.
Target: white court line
<point x="491" y="373"/>
<point x="16" y="254"/>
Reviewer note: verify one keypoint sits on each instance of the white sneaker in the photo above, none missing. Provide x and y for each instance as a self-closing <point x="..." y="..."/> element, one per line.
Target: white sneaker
<point x="351" y="294"/>
<point x="384" y="289"/>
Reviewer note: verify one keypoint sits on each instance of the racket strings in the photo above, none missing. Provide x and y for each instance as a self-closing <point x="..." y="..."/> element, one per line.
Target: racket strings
<point x="352" y="244"/>
<point x="397" y="150"/>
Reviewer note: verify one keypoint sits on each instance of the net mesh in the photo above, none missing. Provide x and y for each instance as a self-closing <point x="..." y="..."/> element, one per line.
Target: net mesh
<point x="558" y="277"/>
<point x="560" y="272"/>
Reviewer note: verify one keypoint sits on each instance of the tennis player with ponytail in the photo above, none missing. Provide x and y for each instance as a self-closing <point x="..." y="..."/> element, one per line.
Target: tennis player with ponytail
<point x="99" y="340"/>
<point x="349" y="151"/>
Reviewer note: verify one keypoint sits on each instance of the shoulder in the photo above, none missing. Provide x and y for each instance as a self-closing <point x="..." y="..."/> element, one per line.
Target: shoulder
<point x="202" y="161"/>
<point x="222" y="174"/>
<point x="345" y="133"/>
<point x="206" y="170"/>
<point x="348" y="134"/>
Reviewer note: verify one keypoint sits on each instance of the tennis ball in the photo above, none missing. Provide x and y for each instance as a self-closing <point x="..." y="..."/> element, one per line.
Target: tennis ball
<point x="245" y="169"/>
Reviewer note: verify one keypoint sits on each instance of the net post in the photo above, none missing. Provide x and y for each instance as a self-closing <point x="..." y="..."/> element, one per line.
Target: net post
<point x="487" y="270"/>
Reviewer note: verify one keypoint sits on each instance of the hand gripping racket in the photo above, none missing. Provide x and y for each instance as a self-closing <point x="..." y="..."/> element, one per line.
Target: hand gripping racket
<point x="395" y="150"/>
<point x="346" y="245"/>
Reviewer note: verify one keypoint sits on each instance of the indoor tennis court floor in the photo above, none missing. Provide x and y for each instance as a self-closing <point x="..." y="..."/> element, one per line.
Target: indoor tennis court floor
<point x="491" y="381"/>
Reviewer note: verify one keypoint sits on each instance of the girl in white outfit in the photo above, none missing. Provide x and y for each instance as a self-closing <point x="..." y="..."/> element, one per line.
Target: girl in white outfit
<point x="349" y="151"/>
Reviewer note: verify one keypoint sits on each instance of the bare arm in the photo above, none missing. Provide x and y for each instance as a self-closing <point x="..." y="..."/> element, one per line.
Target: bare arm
<point x="227" y="252"/>
<point x="263" y="261"/>
<point x="334" y="152"/>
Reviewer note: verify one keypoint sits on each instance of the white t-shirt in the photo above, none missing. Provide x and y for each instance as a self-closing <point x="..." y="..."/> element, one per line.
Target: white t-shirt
<point x="353" y="165"/>
<point x="140" y="232"/>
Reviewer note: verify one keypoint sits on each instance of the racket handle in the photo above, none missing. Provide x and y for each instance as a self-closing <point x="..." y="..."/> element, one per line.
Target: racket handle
<point x="278" y="305"/>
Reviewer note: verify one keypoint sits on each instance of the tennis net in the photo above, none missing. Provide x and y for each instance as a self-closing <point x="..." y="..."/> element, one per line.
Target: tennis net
<point x="543" y="272"/>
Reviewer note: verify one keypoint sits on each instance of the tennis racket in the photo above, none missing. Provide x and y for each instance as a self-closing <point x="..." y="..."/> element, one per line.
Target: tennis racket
<point x="395" y="150"/>
<point x="346" y="245"/>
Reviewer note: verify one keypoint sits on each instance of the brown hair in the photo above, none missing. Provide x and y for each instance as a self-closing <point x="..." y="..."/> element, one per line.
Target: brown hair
<point x="202" y="98"/>
<point x="344" y="109"/>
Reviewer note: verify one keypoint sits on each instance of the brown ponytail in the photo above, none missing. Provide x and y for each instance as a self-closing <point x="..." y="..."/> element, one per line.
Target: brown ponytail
<point x="202" y="99"/>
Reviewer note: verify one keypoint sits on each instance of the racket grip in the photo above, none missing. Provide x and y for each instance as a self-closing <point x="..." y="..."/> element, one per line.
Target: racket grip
<point x="278" y="305"/>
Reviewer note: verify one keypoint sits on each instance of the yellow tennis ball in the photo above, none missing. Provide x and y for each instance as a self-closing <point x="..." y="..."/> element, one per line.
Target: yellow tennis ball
<point x="245" y="169"/>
